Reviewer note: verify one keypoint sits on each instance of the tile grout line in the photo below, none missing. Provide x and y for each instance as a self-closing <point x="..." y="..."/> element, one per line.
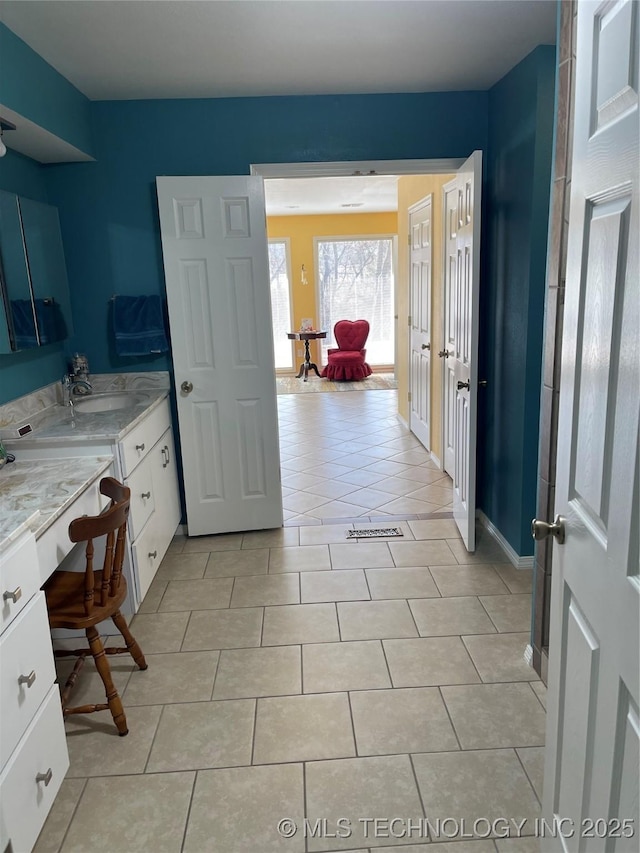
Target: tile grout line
<point x="73" y="814"/>
<point x="186" y="823"/>
<point x="446" y="707"/>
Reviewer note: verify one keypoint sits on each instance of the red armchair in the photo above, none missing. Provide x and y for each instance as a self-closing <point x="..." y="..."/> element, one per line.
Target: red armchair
<point x="347" y="362"/>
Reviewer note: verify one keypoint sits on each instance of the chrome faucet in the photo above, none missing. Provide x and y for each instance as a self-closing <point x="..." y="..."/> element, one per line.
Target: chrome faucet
<point x="69" y="384"/>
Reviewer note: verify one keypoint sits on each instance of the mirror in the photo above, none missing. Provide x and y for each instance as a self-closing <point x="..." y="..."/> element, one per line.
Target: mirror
<point x="33" y="275"/>
<point x="19" y="328"/>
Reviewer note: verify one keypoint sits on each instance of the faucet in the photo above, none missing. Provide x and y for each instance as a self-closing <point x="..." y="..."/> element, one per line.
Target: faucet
<point x="69" y="383"/>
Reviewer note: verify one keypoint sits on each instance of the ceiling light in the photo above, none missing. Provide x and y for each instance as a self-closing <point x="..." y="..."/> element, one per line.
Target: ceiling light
<point x="4" y="125"/>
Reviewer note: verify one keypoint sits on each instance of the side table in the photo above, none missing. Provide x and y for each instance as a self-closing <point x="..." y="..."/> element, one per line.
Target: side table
<point x="307" y="364"/>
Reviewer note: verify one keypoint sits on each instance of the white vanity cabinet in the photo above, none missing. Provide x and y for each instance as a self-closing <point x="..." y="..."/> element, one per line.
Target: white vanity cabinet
<point x="148" y="465"/>
<point x="33" y="748"/>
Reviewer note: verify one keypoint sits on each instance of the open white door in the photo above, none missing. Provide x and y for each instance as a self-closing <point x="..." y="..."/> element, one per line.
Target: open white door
<point x="420" y="246"/>
<point x="450" y="292"/>
<point x="593" y="732"/>
<point x="464" y="358"/>
<point x="217" y="274"/>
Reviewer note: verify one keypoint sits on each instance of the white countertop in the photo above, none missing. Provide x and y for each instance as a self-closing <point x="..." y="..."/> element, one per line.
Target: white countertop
<point x="61" y="423"/>
<point x="35" y="493"/>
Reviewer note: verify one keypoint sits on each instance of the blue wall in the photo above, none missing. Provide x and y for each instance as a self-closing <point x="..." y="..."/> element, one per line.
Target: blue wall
<point x="521" y="111"/>
<point x="108" y="209"/>
<point x="22" y="372"/>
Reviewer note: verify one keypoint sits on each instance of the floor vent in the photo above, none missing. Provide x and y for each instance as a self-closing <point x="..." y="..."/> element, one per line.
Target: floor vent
<point x="374" y="533"/>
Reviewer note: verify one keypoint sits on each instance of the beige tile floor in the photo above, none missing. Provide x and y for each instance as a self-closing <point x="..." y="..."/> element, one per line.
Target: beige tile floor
<point x="346" y="456"/>
<point x="295" y="674"/>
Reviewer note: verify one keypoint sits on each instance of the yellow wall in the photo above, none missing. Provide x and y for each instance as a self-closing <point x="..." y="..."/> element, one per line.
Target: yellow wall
<point x="412" y="189"/>
<point x="301" y="230"/>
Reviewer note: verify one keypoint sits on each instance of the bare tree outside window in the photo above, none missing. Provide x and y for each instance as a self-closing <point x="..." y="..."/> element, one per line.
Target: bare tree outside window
<point x="355" y="280"/>
<point x="280" y="303"/>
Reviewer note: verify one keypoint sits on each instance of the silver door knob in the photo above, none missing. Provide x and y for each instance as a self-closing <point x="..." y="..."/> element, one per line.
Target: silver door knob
<point x="425" y="346"/>
<point x="542" y="529"/>
<point x="187" y="387"/>
<point x="462" y="385"/>
<point x="444" y="353"/>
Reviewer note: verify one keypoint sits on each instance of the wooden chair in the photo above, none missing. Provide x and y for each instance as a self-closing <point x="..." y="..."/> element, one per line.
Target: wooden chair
<point x="80" y="601"/>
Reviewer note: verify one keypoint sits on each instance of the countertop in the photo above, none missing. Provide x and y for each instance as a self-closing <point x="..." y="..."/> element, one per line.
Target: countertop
<point x="35" y="493"/>
<point x="60" y="423"/>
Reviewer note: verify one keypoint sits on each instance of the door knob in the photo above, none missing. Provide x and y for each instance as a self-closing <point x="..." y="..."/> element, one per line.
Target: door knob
<point x="425" y="346"/>
<point x="542" y="529"/>
<point x="187" y="387"/>
<point x="462" y="385"/>
<point x="444" y="353"/>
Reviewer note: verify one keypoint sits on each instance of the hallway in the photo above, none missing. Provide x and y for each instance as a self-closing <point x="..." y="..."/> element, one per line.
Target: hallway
<point x="347" y="456"/>
<point x="295" y="674"/>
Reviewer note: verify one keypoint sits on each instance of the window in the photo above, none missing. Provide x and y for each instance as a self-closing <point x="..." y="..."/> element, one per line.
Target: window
<point x="280" y="303"/>
<point x="355" y="282"/>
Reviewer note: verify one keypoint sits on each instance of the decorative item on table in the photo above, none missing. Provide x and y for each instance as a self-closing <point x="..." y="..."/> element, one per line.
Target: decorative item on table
<point x="306" y="324"/>
<point x="138" y="325"/>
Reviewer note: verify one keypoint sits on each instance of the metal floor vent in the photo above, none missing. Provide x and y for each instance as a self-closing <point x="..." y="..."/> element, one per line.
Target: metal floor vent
<point x="374" y="533"/>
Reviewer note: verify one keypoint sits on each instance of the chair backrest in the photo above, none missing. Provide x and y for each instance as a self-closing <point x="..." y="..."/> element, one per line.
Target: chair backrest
<point x="351" y="334"/>
<point x="112" y="523"/>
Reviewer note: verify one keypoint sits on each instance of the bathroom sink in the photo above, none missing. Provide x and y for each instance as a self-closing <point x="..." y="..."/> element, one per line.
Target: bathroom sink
<point x="109" y="402"/>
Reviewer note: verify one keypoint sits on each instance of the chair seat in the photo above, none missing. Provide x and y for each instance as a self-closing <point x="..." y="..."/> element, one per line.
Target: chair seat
<point x="65" y="600"/>
<point x="345" y="357"/>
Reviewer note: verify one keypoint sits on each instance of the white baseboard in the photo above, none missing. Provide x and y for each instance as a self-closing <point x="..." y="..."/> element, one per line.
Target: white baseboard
<point x="402" y="420"/>
<point x="515" y="559"/>
<point x="435" y="459"/>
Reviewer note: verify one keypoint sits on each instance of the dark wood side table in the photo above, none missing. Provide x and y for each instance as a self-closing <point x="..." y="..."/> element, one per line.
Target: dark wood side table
<point x="307" y="364"/>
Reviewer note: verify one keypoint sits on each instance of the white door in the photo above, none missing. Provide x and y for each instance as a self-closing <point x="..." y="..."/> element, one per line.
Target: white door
<point x="464" y="359"/>
<point x="217" y="275"/>
<point x="420" y="228"/>
<point x="450" y="274"/>
<point x="592" y="758"/>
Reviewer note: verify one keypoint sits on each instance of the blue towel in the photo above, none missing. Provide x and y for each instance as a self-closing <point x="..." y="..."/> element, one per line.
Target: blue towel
<point x="24" y="326"/>
<point x="138" y="325"/>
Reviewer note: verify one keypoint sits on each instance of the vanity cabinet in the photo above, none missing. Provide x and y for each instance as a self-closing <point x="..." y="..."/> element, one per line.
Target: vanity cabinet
<point x="33" y="748"/>
<point x="147" y="460"/>
<point x="35" y="309"/>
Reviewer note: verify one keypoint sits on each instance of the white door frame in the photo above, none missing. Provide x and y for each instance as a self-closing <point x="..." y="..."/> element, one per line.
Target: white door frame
<point x="442" y="166"/>
<point x="428" y="198"/>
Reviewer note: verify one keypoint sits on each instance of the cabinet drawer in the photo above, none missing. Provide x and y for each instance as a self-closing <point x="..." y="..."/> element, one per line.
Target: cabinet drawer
<point x="25" y="654"/>
<point x="19" y="577"/>
<point x="135" y="446"/>
<point x="147" y="556"/>
<point x="142" y="500"/>
<point x="25" y="796"/>
<point x="54" y="544"/>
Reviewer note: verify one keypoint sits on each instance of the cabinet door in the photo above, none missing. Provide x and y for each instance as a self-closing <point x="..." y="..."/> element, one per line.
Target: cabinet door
<point x="18" y="326"/>
<point x="47" y="269"/>
<point x="165" y="482"/>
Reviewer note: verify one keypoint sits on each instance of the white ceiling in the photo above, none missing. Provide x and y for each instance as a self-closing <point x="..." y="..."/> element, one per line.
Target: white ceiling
<point x="302" y="196"/>
<point x="130" y="49"/>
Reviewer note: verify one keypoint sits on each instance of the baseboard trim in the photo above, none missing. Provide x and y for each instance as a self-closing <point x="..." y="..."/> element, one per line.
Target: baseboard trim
<point x="402" y="420"/>
<point x="515" y="559"/>
<point x="435" y="459"/>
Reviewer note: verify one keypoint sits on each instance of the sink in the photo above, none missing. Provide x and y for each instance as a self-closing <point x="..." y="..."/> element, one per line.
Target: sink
<point x="110" y="402"/>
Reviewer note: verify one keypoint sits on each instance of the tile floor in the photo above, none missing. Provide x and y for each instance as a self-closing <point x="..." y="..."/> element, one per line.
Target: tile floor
<point x="295" y="674"/>
<point x="346" y="456"/>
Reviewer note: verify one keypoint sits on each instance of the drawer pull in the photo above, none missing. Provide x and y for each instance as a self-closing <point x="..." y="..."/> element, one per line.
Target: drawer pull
<point x="145" y="495"/>
<point x="165" y="456"/>
<point x="12" y="596"/>
<point x="45" y="777"/>
<point x="140" y="446"/>
<point x="153" y="554"/>
<point x="27" y="679"/>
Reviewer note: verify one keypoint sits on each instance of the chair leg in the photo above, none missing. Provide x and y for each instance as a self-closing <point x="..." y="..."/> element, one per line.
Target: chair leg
<point x="132" y="644"/>
<point x="102" y="665"/>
